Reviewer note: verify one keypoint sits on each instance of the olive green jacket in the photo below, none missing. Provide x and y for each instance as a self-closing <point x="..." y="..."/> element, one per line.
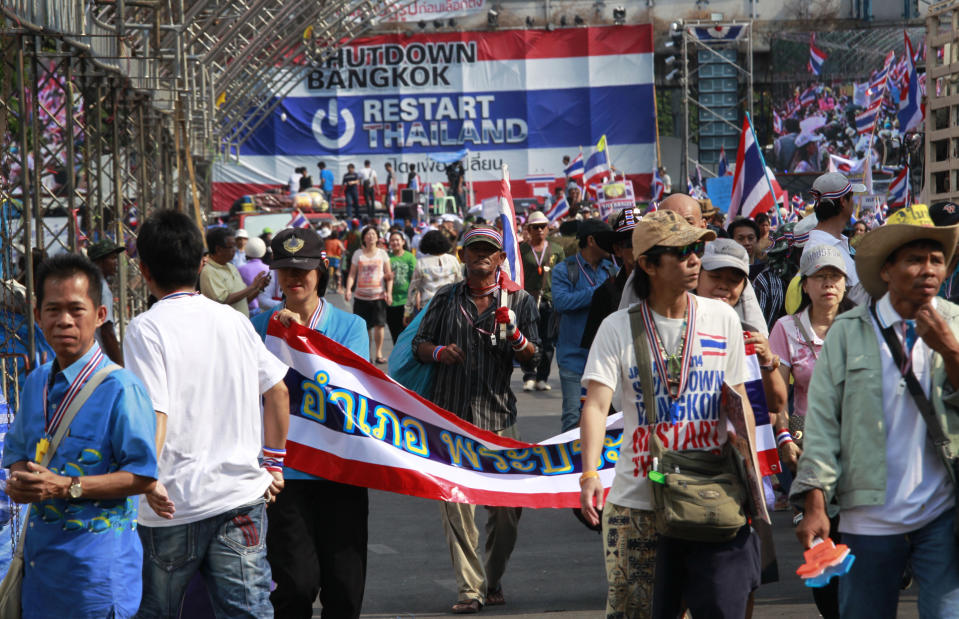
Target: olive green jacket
<point x="845" y="434"/>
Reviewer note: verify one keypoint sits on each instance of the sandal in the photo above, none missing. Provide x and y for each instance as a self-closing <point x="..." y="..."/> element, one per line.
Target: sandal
<point x="495" y="598"/>
<point x="381" y="360"/>
<point x="467" y="607"/>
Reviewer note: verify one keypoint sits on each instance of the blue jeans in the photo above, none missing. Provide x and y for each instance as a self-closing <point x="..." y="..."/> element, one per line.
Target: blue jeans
<point x="871" y="588"/>
<point x="573" y="395"/>
<point x="229" y="551"/>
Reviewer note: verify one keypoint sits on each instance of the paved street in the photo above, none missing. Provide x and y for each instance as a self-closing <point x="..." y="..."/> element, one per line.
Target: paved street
<point x="557" y="567"/>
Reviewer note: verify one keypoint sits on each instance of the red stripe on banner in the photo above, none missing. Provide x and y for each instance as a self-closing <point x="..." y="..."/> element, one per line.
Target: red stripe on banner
<point x="312" y="342"/>
<point x="539" y="43"/>
<point x="414" y="483"/>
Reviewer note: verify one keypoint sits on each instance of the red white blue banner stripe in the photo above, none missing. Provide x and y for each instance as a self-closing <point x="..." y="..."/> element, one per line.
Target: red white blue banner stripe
<point x="351" y="423"/>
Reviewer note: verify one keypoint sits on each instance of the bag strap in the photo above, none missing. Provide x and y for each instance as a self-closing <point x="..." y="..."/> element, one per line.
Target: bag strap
<point x="643" y="363"/>
<point x="64" y="427"/>
<point x="805" y="336"/>
<point x="936" y="434"/>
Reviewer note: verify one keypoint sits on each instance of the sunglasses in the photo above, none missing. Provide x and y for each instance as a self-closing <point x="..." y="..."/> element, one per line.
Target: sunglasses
<point x="537" y="226"/>
<point x="683" y="253"/>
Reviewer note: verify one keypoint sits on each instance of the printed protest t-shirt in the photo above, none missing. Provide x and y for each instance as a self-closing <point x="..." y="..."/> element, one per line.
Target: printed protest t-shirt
<point x="718" y="356"/>
<point x="371" y="274"/>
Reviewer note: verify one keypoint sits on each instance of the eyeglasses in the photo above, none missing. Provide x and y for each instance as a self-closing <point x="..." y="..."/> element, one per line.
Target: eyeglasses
<point x="683" y="253"/>
<point x="537" y="226"/>
<point x="826" y="277"/>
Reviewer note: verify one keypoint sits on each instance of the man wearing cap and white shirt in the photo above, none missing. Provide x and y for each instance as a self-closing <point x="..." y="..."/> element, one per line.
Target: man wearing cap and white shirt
<point x="461" y="335"/>
<point x="574" y="280"/>
<point x="868" y="454"/>
<point x="239" y="258"/>
<point x="834" y="207"/>
<point x="714" y="579"/>
<point x="540" y="255"/>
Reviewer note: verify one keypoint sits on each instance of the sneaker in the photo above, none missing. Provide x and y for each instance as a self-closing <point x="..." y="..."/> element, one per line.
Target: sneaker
<point x="542" y="385"/>
<point x="529" y="385"/>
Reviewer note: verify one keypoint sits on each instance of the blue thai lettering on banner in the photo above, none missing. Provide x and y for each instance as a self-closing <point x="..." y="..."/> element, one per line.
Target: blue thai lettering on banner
<point x="343" y="410"/>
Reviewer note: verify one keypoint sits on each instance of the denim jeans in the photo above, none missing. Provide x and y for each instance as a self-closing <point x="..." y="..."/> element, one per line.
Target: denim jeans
<point x="573" y="394"/>
<point x="871" y="588"/>
<point x="228" y="549"/>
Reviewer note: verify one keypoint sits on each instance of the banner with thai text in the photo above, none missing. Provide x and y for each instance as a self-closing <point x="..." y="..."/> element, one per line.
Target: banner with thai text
<point x="353" y="424"/>
<point x="521" y="97"/>
<point x="424" y="10"/>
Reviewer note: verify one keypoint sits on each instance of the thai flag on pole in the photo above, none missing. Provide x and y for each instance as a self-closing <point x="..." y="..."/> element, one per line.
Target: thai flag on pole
<point x="597" y="166"/>
<point x="910" y="112"/>
<point x="299" y="220"/>
<point x="816" y="56"/>
<point x="845" y="166"/>
<point x="723" y="168"/>
<point x="899" y="189"/>
<point x="752" y="192"/>
<point x="867" y="120"/>
<point x="659" y="187"/>
<point x="559" y="210"/>
<point x="808" y="97"/>
<point x="766" y="451"/>
<point x="576" y="168"/>
<point x="507" y="216"/>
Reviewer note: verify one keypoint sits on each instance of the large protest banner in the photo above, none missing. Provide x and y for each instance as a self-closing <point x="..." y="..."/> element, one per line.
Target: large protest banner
<point x="520" y="97"/>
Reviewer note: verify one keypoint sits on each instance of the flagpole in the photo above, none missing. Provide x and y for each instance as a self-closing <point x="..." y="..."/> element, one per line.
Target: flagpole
<point x="659" y="156"/>
<point x="762" y="160"/>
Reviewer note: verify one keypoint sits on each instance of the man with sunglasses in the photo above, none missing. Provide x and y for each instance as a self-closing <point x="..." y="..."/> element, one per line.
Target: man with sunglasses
<point x="695" y="346"/>
<point x="540" y="255"/>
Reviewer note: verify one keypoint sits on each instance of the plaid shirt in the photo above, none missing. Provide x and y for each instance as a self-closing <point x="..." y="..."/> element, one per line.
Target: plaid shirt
<point x="476" y="390"/>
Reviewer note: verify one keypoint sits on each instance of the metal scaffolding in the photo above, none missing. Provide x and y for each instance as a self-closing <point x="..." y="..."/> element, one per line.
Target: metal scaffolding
<point x="110" y="109"/>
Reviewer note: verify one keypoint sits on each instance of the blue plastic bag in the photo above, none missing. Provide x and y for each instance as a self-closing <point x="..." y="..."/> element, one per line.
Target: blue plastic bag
<point x="406" y="369"/>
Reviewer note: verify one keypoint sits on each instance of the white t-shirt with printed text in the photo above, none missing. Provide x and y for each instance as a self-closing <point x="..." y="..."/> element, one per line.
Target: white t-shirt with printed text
<point x="718" y="356"/>
<point x="204" y="366"/>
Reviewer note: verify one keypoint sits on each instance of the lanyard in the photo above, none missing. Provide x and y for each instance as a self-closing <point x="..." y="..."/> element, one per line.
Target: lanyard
<point x="178" y="295"/>
<point x="51" y="423"/>
<point x="659" y="360"/>
<point x="539" y="258"/>
<point x="579" y="261"/>
<point x="317" y="315"/>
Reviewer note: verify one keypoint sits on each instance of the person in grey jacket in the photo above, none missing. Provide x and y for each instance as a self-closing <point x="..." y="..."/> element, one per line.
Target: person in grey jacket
<point x="867" y="454"/>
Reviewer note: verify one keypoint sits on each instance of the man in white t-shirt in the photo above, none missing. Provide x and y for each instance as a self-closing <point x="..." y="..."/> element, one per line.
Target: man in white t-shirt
<point x="106" y="255"/>
<point x="205" y="369"/>
<point x="834" y="207"/>
<point x="868" y="453"/>
<point x="368" y="183"/>
<point x="706" y="337"/>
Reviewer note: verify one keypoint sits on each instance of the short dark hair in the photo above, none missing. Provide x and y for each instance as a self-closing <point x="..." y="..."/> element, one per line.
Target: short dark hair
<point x="63" y="266"/>
<point x="171" y="247"/>
<point x="917" y="244"/>
<point x="367" y="229"/>
<point x="435" y="243"/>
<point x="792" y="125"/>
<point x="762" y="218"/>
<point x="366" y="162"/>
<point x="739" y="223"/>
<point x="321" y="165"/>
<point x="216" y="237"/>
<point x="642" y="286"/>
<point x="827" y="208"/>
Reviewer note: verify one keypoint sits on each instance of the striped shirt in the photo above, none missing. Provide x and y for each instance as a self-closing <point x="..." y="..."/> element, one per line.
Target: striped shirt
<point x="771" y="294"/>
<point x="476" y="390"/>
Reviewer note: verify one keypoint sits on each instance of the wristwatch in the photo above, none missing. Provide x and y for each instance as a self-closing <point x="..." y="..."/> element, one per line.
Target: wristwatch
<point x="76" y="490"/>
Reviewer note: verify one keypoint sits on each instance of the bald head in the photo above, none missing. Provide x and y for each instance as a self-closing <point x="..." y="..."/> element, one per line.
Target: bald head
<point x="686" y="207"/>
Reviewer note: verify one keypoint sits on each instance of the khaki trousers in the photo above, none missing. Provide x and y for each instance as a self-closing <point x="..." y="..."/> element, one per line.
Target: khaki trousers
<point x="474" y="578"/>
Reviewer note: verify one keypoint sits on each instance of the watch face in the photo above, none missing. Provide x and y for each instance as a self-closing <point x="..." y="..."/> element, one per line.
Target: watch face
<point x="76" y="490"/>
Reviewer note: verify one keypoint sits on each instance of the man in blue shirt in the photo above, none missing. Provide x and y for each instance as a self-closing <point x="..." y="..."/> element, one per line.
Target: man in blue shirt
<point x="326" y="181"/>
<point x="574" y="281"/>
<point x="316" y="541"/>
<point x="81" y="525"/>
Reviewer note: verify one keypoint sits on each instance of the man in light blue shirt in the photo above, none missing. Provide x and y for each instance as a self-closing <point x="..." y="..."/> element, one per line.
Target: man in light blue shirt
<point x="574" y="281"/>
<point x="81" y="524"/>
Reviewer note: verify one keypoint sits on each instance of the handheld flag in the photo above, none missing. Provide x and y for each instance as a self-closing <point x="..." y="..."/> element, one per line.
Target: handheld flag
<point x="723" y="168"/>
<point x="658" y="188"/>
<point x="597" y="166"/>
<point x="910" y="112"/>
<point x="507" y="216"/>
<point x="298" y="220"/>
<point x="866" y="121"/>
<point x="899" y="189"/>
<point x="559" y="210"/>
<point x="752" y="191"/>
<point x="816" y="56"/>
<point x="576" y="168"/>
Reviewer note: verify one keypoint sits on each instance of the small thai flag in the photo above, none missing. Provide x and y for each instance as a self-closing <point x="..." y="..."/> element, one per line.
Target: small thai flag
<point x="299" y="220"/>
<point x="899" y="189"/>
<point x="808" y="97"/>
<point x="723" y="169"/>
<point x="816" y="56"/>
<point x="576" y="168"/>
<point x="559" y="210"/>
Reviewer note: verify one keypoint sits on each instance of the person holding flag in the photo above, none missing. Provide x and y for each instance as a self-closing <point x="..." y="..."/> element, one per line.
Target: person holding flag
<point x="473" y="337"/>
<point x="540" y="255"/>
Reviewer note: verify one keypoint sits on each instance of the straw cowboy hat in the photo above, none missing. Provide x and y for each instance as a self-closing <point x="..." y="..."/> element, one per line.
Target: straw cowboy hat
<point x="904" y="226"/>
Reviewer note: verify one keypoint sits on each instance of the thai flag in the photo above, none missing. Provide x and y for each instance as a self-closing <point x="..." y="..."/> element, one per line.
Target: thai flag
<point x="867" y="120"/>
<point x="723" y="168"/>
<point x="910" y="112"/>
<point x="559" y="210"/>
<point x="845" y="166"/>
<point x="899" y="189"/>
<point x="576" y="168"/>
<point x="712" y="345"/>
<point x="752" y="193"/>
<point x="766" y="451"/>
<point x="777" y="123"/>
<point x="299" y="220"/>
<point x="597" y="166"/>
<point x="816" y="56"/>
<point x="511" y="237"/>
<point x="659" y="187"/>
<point x="808" y="97"/>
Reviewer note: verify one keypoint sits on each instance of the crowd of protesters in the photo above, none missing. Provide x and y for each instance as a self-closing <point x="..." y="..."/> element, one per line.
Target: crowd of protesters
<point x="849" y="335"/>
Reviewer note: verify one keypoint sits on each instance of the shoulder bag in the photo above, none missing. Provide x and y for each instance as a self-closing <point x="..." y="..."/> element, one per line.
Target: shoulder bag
<point x="13" y="581"/>
<point x="934" y="429"/>
<point x="697" y="495"/>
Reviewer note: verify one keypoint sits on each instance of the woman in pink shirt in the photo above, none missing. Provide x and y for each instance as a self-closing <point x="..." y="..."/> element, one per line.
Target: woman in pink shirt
<point x="370" y="271"/>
